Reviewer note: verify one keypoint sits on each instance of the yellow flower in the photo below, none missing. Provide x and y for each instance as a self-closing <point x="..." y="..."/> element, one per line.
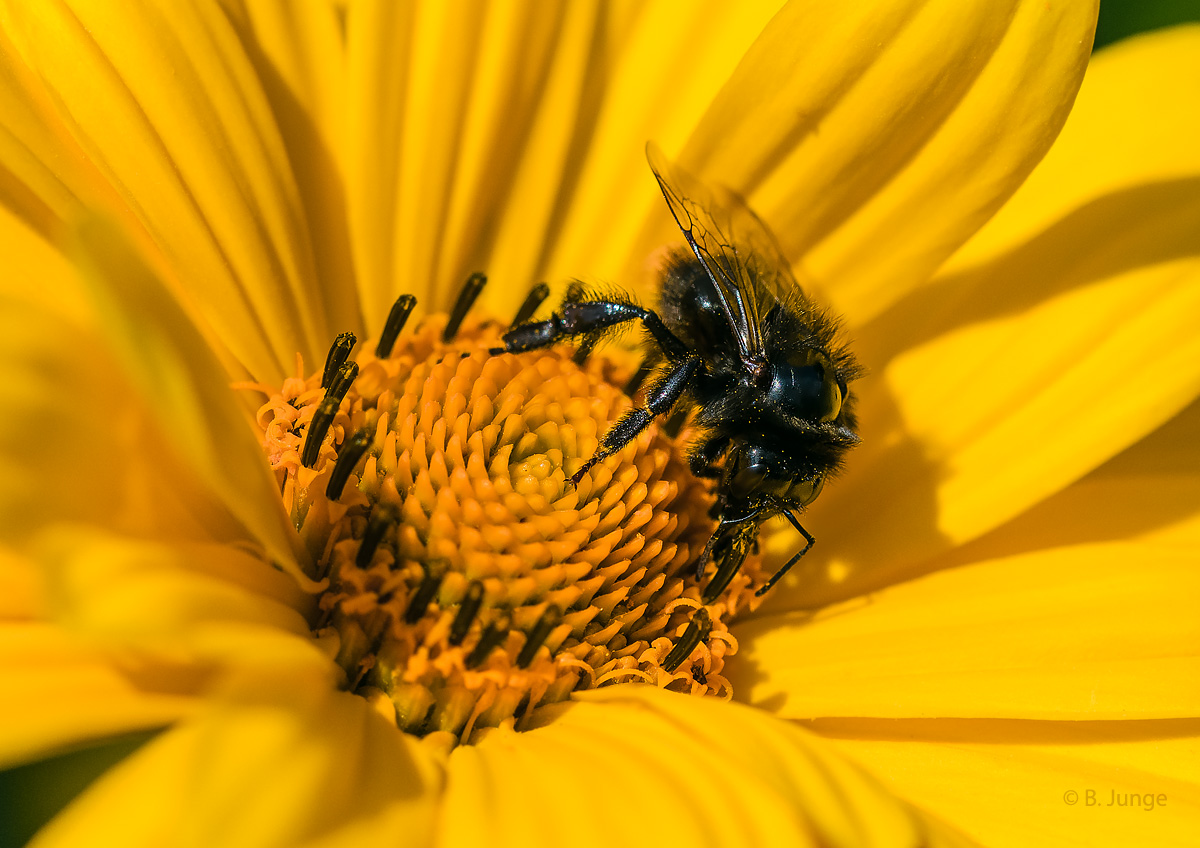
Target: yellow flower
<point x="996" y="633"/>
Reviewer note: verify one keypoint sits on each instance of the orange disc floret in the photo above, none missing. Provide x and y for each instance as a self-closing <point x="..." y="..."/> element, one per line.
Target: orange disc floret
<point x="467" y="580"/>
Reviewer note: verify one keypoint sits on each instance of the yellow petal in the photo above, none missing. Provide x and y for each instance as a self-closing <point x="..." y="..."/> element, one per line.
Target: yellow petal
<point x="163" y="101"/>
<point x="77" y="443"/>
<point x="1149" y="493"/>
<point x="665" y="769"/>
<point x="322" y="769"/>
<point x="193" y="605"/>
<point x="1011" y="783"/>
<point x="1084" y="632"/>
<point x="1063" y="334"/>
<point x="178" y="374"/>
<point x="877" y="138"/>
<point x="508" y="137"/>
<point x="299" y="58"/>
<point x="57" y="691"/>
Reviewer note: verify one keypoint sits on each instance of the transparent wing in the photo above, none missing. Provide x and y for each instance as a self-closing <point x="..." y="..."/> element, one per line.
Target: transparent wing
<point x="743" y="259"/>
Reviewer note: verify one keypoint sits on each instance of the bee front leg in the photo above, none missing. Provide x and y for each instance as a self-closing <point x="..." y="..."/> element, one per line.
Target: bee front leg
<point x="659" y="400"/>
<point x="589" y="318"/>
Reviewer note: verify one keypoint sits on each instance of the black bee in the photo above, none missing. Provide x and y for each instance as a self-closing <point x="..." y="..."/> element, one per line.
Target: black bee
<point x="739" y="347"/>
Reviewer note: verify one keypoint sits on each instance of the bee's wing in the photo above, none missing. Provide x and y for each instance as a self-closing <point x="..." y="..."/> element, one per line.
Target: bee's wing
<point x="741" y="256"/>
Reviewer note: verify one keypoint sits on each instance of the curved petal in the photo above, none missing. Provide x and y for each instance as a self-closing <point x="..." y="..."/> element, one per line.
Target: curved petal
<point x="508" y="137"/>
<point x="191" y="604"/>
<point x="1061" y="335"/>
<point x="324" y="769"/>
<point x="1010" y="783"/>
<point x="667" y="769"/>
<point x="57" y="691"/>
<point x="186" y="387"/>
<point x="1149" y="493"/>
<point x="77" y="443"/>
<point x="161" y="99"/>
<point x="299" y="58"/>
<point x="876" y="138"/>
<point x="1085" y="632"/>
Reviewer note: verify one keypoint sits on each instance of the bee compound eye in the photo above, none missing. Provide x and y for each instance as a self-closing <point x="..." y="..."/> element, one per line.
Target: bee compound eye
<point x="805" y="491"/>
<point x="832" y="398"/>
<point x="807" y="385"/>
<point x="747" y="479"/>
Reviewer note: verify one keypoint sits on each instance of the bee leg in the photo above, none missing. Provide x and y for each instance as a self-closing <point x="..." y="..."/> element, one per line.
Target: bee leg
<point x="579" y="318"/>
<point x="659" y="400"/>
<point x="795" y="559"/>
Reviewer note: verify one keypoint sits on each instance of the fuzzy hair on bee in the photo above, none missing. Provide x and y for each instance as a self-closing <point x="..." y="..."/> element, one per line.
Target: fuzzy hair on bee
<point x="736" y="344"/>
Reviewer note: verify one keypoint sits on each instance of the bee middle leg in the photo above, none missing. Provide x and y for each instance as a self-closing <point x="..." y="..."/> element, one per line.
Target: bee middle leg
<point x="659" y="400"/>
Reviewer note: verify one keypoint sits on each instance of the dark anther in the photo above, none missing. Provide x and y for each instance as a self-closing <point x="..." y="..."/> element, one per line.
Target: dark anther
<point x="317" y="428"/>
<point x="725" y="570"/>
<point x="549" y="620"/>
<point x="467" y="610"/>
<point x="695" y="633"/>
<point x="394" y="324"/>
<point x="489" y="640"/>
<point x="422" y="597"/>
<point x="584" y="350"/>
<point x="639" y="377"/>
<point x="462" y="306"/>
<point x="338" y="354"/>
<point x="342" y="382"/>
<point x="675" y="422"/>
<point x="536" y="295"/>
<point x="382" y="518"/>
<point x="352" y="451"/>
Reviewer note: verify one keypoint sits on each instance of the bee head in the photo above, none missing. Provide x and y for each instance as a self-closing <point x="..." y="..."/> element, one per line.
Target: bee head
<point x="754" y="471"/>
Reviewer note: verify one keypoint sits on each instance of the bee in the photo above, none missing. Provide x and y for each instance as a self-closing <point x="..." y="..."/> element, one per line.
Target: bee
<point x="738" y="347"/>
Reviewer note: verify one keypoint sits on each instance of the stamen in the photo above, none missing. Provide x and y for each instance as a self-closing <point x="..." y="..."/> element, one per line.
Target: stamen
<point x="549" y="620"/>
<point x="639" y="377"/>
<point x="342" y="382"/>
<point x="467" y="610"/>
<point x="422" y="597"/>
<point x="382" y="519"/>
<point x="585" y="350"/>
<point x="394" y="324"/>
<point x="466" y="298"/>
<point x="352" y="451"/>
<point x="317" y="428"/>
<point x="725" y="571"/>
<point x="338" y="353"/>
<point x="440" y="521"/>
<point x="697" y="631"/>
<point x="489" y="640"/>
<point x="532" y="301"/>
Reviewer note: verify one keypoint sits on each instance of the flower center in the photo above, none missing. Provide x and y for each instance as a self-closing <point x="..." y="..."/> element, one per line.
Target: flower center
<point x="467" y="580"/>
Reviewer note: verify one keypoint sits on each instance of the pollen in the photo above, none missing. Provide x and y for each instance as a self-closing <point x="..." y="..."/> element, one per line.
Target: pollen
<point x="466" y="581"/>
